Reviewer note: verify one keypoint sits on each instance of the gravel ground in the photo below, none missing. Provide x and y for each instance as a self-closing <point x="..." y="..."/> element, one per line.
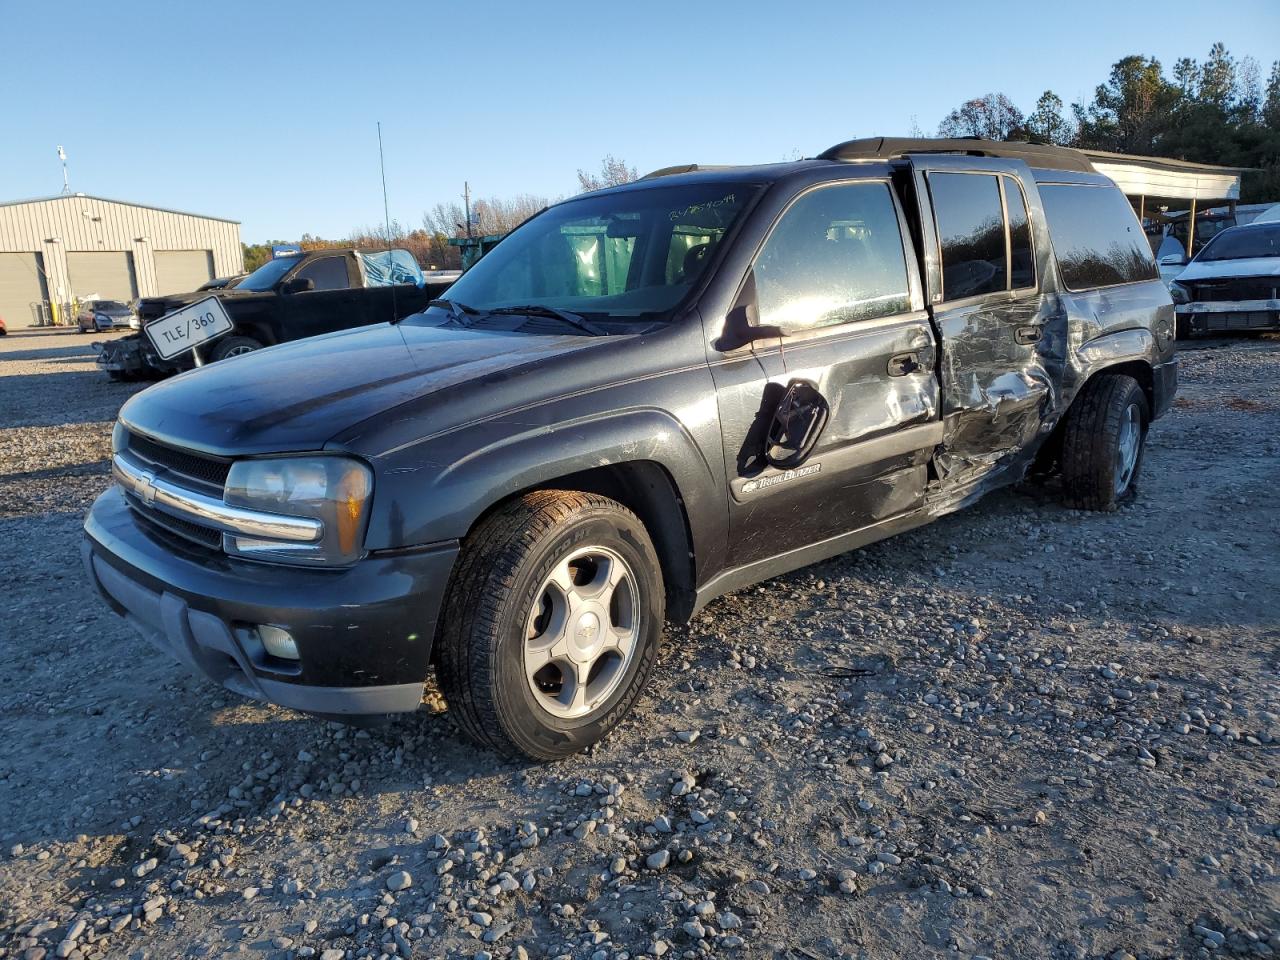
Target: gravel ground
<point x="1022" y="731"/>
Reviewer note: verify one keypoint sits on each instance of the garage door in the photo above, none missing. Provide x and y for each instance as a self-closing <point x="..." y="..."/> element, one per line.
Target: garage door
<point x="181" y="271"/>
<point x="108" y="275"/>
<point x="21" y="282"/>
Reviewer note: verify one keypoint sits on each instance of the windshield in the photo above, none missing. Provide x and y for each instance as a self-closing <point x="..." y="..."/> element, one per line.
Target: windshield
<point x="1243" y="243"/>
<point x="267" y="275"/>
<point x="631" y="254"/>
<point x="110" y="306"/>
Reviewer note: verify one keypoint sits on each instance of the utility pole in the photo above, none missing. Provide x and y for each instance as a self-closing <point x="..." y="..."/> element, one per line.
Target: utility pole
<point x="62" y="155"/>
<point x="466" y="205"/>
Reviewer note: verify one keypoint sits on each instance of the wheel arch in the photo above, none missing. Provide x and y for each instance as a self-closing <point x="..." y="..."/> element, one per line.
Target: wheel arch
<point x="647" y="489"/>
<point x="1139" y="369"/>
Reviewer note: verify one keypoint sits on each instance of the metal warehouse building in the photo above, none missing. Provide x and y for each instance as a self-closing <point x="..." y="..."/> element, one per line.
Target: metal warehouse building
<point x="57" y="250"/>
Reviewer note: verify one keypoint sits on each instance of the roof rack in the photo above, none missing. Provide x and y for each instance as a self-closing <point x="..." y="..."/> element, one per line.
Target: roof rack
<point x="1040" y="155"/>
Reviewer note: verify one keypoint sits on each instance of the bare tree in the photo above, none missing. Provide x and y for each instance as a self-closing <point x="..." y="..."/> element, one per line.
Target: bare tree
<point x="492" y="215"/>
<point x="990" y="117"/>
<point x="613" y="173"/>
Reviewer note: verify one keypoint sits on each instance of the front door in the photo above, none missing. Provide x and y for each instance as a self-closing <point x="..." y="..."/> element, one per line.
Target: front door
<point x="836" y="279"/>
<point x="1002" y="340"/>
<point x="334" y="303"/>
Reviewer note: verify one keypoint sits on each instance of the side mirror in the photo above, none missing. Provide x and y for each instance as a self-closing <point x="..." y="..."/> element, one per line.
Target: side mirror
<point x="1173" y="260"/>
<point x="797" y="423"/>
<point x="742" y="325"/>
<point x="298" y="285"/>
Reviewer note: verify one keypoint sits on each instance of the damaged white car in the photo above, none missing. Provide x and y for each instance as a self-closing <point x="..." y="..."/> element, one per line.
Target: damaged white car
<point x="1232" y="284"/>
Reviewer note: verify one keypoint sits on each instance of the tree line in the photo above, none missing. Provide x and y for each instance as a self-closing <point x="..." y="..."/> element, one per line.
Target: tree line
<point x="1216" y="111"/>
<point x="429" y="243"/>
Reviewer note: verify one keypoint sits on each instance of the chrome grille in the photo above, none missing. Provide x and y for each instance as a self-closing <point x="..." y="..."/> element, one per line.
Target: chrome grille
<point x="186" y="464"/>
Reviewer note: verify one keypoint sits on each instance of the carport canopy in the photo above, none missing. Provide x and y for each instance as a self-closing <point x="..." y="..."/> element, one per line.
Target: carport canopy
<point x="1160" y="181"/>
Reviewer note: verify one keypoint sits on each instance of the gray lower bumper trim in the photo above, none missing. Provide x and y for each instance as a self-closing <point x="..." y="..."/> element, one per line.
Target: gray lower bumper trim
<point x="206" y="645"/>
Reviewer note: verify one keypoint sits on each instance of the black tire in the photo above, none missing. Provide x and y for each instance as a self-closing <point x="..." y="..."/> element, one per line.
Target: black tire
<point x="1182" y="328"/>
<point x="499" y="576"/>
<point x="1092" y="459"/>
<point x="229" y="346"/>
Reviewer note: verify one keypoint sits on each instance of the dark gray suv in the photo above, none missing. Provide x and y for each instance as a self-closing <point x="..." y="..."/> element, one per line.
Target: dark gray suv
<point x="642" y="398"/>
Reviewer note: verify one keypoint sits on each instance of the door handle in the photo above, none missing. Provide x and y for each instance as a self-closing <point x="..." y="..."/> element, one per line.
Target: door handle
<point x="1028" y="335"/>
<point x="902" y="364"/>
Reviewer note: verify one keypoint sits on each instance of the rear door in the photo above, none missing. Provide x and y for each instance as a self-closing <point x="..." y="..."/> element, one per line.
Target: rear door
<point x="835" y="276"/>
<point x="335" y="303"/>
<point x="1002" y="341"/>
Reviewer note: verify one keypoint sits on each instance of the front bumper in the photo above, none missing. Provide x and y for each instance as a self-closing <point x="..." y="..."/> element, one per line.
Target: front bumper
<point x="363" y="634"/>
<point x="1226" y="316"/>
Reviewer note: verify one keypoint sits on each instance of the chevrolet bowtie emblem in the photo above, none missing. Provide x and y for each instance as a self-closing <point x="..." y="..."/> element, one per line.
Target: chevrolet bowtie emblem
<point x="146" y="487"/>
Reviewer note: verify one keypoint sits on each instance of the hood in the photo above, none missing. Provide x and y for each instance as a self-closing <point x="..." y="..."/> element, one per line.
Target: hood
<point x="298" y="395"/>
<point x="1221" y="269"/>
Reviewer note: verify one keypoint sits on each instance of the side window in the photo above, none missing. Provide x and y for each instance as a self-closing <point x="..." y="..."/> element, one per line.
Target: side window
<point x="834" y="256"/>
<point x="971" y="232"/>
<point x="1022" y="253"/>
<point x="328" y="273"/>
<point x="1096" y="236"/>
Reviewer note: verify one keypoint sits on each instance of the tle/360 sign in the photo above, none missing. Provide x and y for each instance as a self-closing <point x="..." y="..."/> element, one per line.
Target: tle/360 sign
<point x="178" y="332"/>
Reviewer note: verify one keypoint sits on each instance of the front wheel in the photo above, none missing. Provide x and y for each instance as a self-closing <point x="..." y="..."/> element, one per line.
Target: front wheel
<point x="551" y="625"/>
<point x="232" y="346"/>
<point x="1102" y="448"/>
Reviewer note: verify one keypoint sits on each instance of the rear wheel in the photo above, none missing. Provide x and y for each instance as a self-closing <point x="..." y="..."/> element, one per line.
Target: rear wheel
<point x="551" y="624"/>
<point x="232" y="347"/>
<point x="1102" y="448"/>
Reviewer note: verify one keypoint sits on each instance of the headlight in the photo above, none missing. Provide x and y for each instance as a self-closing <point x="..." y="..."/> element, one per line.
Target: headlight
<point x="334" y="490"/>
<point x="1179" y="293"/>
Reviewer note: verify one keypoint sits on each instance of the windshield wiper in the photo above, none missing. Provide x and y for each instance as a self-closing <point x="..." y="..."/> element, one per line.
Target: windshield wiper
<point x="463" y="314"/>
<point x="541" y="310"/>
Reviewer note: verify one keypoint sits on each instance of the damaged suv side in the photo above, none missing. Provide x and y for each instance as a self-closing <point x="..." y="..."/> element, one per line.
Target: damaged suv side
<point x="641" y="399"/>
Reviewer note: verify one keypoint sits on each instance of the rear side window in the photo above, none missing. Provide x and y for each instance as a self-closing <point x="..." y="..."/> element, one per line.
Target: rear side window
<point x="1022" y="255"/>
<point x="1096" y="236"/>
<point x="971" y="230"/>
<point x="835" y="256"/>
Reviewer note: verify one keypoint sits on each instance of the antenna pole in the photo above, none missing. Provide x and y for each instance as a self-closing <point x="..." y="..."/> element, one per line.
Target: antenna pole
<point x="466" y="204"/>
<point x="66" y="183"/>
<point x="386" y="219"/>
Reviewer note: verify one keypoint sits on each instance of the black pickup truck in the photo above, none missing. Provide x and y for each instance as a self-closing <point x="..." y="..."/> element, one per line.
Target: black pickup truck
<point x="642" y="398"/>
<point x="285" y="299"/>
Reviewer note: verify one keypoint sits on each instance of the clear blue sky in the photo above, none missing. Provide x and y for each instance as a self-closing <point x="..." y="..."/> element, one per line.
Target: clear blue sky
<point x="264" y="111"/>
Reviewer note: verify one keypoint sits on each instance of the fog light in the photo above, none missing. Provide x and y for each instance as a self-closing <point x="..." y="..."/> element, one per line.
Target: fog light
<point x="279" y="643"/>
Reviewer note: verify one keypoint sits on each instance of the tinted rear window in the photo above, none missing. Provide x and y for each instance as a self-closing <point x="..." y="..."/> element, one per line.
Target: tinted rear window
<point x="1096" y="236"/>
<point x="971" y="231"/>
<point x="1024" y="256"/>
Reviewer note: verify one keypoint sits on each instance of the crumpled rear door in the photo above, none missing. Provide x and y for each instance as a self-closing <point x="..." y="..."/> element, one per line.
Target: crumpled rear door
<point x="1002" y="336"/>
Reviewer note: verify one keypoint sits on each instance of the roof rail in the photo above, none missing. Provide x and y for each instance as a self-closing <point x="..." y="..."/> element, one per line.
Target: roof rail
<point x="1040" y="155"/>
<point x="685" y="168"/>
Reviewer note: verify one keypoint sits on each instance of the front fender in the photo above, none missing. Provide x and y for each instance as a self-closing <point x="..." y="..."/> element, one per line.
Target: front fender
<point x="436" y="490"/>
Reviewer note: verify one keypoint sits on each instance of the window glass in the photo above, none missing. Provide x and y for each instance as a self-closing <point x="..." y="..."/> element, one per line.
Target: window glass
<point x="971" y="231"/>
<point x="328" y="273"/>
<point x="1023" y="273"/>
<point x="834" y="256"/>
<point x="626" y="254"/>
<point x="1096" y="236"/>
<point x="267" y="275"/>
<point x="1243" y="243"/>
